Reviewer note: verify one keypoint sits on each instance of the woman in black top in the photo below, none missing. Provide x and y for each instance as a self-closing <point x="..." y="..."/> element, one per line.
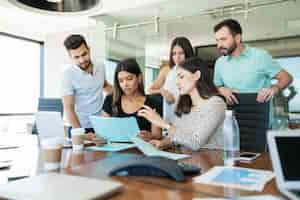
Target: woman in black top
<point x="128" y="98"/>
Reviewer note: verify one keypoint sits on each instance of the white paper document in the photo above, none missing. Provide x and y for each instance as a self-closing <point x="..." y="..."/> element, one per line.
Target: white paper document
<point x="112" y="147"/>
<point x="149" y="150"/>
<point x="236" y="177"/>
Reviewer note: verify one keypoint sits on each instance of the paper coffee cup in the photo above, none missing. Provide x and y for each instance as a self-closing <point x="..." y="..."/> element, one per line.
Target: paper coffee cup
<point x="77" y="158"/>
<point x="77" y="138"/>
<point x="51" y="151"/>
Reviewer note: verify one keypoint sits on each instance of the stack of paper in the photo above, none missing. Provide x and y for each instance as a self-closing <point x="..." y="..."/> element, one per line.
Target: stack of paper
<point x="236" y="177"/>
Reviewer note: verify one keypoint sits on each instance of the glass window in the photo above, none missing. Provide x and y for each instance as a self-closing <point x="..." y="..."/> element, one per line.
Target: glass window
<point x="150" y="75"/>
<point x="20" y="82"/>
<point x="291" y="64"/>
<point x="110" y="67"/>
<point x="19" y="75"/>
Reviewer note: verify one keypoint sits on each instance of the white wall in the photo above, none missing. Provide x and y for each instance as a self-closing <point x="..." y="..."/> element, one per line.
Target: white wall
<point x="56" y="57"/>
<point x="157" y="46"/>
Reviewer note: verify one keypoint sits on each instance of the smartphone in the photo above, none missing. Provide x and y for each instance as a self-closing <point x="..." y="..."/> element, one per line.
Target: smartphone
<point x="248" y="156"/>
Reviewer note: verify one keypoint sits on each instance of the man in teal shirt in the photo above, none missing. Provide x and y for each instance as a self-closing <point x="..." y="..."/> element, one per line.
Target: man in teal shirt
<point x="244" y="69"/>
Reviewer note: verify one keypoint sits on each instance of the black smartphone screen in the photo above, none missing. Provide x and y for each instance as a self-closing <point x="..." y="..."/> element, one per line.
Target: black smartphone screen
<point x="248" y="155"/>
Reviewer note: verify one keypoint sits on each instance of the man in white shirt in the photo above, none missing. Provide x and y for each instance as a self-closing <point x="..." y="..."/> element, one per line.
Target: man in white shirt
<point x="83" y="85"/>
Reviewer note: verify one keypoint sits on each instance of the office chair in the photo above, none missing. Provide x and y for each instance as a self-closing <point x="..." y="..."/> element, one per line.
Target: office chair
<point x="253" y="119"/>
<point x="48" y="104"/>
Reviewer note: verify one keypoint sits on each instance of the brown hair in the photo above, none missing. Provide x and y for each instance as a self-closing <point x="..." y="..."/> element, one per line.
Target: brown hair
<point x="129" y="65"/>
<point x="185" y="44"/>
<point x="205" y="86"/>
<point x="233" y="26"/>
<point x="74" y="41"/>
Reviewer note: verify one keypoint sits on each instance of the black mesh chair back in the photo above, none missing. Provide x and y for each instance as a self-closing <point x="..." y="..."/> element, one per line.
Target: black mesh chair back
<point x="253" y="119"/>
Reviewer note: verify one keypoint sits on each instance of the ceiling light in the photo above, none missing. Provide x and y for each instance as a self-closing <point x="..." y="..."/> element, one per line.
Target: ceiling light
<point x="55" y="6"/>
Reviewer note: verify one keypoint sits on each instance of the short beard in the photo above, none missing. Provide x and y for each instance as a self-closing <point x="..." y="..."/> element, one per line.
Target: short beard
<point x="230" y="50"/>
<point x="84" y="69"/>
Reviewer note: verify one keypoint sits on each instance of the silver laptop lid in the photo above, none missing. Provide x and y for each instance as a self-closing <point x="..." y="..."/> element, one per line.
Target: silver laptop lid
<point x="284" y="149"/>
<point x="49" y="124"/>
<point x="58" y="186"/>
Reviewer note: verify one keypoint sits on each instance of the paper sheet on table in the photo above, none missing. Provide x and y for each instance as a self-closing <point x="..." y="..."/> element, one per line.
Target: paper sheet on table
<point x="149" y="150"/>
<point x="8" y="154"/>
<point x="112" y="147"/>
<point x="6" y="146"/>
<point x="236" y="177"/>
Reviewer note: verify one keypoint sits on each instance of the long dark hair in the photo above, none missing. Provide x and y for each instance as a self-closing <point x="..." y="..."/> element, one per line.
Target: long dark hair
<point x="205" y="86"/>
<point x="128" y="65"/>
<point x="185" y="44"/>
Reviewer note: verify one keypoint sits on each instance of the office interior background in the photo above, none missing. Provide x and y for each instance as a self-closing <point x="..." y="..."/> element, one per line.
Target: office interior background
<point x="33" y="56"/>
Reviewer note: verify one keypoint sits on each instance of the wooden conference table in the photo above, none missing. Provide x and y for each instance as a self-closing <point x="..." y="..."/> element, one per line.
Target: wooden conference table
<point x="94" y="164"/>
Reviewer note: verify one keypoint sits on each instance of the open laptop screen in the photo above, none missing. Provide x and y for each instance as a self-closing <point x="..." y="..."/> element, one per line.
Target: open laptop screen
<point x="288" y="149"/>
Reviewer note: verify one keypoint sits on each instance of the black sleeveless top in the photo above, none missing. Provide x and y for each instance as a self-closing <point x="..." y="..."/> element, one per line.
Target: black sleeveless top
<point x="143" y="123"/>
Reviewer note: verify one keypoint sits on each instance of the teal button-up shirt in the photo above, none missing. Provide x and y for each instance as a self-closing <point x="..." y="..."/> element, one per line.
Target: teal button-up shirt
<point x="249" y="72"/>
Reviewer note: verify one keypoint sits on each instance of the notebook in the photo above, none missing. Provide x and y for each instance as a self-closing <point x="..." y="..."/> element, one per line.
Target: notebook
<point x="57" y="186"/>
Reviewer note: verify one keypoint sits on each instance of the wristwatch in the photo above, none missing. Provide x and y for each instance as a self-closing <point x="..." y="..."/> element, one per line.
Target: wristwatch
<point x="166" y="129"/>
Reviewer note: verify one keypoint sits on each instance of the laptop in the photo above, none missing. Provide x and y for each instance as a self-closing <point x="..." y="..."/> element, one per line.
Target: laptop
<point x="57" y="186"/>
<point x="284" y="147"/>
<point x="50" y="124"/>
<point x="115" y="129"/>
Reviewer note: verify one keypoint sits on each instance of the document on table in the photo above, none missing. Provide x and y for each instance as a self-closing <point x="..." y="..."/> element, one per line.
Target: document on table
<point x="5" y="146"/>
<point x="111" y="147"/>
<point x="149" y="150"/>
<point x="236" y="177"/>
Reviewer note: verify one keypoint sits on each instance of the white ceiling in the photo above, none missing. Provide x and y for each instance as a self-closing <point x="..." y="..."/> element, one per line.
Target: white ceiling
<point x="268" y="22"/>
<point x="36" y="25"/>
<point x="271" y="21"/>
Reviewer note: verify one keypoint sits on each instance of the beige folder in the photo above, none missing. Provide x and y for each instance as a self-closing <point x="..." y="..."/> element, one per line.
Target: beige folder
<point x="59" y="187"/>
